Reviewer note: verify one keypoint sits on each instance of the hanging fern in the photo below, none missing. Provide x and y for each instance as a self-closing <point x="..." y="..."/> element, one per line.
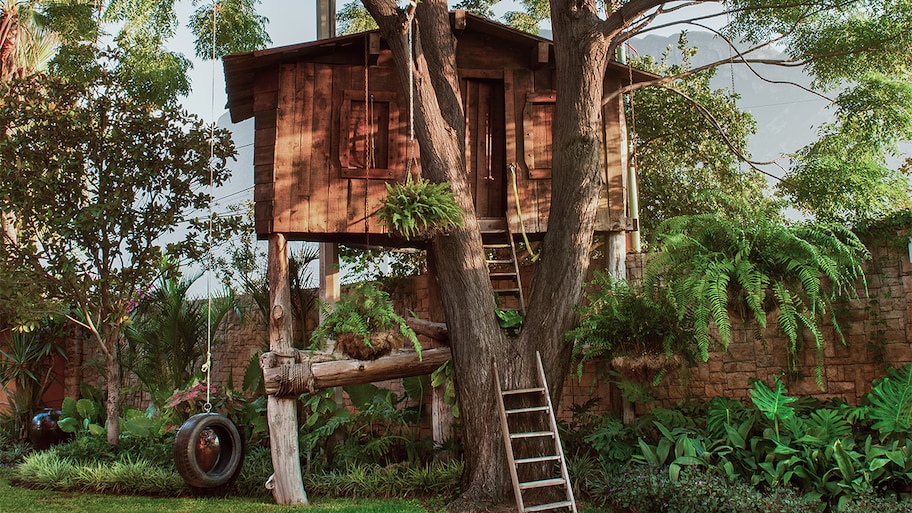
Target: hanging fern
<point x="621" y="319"/>
<point x="361" y="312"/>
<point x="419" y="209"/>
<point x="723" y="269"/>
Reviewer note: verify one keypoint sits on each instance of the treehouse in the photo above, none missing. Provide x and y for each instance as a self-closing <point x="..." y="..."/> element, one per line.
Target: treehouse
<point x="332" y="128"/>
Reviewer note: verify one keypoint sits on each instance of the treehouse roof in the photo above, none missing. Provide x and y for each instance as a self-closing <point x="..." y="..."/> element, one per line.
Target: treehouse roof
<point x="242" y="69"/>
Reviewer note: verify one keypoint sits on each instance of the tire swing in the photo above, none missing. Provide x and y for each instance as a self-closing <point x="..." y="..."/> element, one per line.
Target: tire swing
<point x="209" y="453"/>
<point x="209" y="448"/>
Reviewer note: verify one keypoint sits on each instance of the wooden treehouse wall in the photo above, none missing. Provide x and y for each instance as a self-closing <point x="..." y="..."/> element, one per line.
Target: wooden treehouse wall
<point x="312" y="178"/>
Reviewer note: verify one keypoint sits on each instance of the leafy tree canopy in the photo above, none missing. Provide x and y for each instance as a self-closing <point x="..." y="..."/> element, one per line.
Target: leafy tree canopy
<point x="98" y="174"/>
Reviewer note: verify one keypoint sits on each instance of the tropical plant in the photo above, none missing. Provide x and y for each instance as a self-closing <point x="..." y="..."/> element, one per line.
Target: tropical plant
<point x="166" y="342"/>
<point x="719" y="268"/>
<point x="26" y="365"/>
<point x="891" y="403"/>
<point x="355" y="321"/>
<point x="419" y="209"/>
<point x="82" y="416"/>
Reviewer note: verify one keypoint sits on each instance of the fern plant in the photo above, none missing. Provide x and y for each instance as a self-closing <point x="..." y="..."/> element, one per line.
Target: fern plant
<point x="722" y="269"/>
<point x="419" y="209"/>
<point x="621" y="319"/>
<point x="362" y="312"/>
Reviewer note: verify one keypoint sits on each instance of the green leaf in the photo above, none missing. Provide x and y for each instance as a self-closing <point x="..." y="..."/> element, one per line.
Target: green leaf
<point x="68" y="424"/>
<point x="85" y="408"/>
<point x="139" y="426"/>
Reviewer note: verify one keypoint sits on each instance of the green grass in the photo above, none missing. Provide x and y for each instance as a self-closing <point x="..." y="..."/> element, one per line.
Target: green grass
<point x="14" y="499"/>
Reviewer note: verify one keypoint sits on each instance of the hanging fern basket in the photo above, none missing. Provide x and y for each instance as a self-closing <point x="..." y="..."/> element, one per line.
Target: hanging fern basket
<point x="419" y="210"/>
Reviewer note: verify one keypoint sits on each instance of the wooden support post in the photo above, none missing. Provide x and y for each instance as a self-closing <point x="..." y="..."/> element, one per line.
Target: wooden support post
<point x="282" y="413"/>
<point x="441" y="419"/>
<point x="616" y="254"/>
<point x="330" y="284"/>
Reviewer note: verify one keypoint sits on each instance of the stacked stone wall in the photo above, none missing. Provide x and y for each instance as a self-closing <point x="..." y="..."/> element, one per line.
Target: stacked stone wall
<point x="876" y="327"/>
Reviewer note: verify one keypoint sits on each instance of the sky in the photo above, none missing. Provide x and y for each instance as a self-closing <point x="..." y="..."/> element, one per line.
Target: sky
<point x="290" y="22"/>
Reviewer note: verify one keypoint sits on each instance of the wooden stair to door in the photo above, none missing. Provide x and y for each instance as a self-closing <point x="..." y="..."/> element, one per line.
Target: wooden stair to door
<point x="541" y="468"/>
<point x="503" y="266"/>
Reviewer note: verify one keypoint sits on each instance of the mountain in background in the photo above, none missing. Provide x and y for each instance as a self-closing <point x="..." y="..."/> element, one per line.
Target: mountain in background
<point x="787" y="116"/>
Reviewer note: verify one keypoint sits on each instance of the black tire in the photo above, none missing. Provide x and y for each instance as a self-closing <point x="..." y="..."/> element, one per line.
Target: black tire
<point x="231" y="457"/>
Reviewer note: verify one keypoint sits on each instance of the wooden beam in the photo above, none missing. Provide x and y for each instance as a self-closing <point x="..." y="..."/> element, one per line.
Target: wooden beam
<point x="306" y="376"/>
<point x="282" y="413"/>
<point x="435" y="330"/>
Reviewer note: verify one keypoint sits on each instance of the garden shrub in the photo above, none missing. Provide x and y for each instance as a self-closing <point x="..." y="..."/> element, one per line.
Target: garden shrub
<point x="641" y="488"/>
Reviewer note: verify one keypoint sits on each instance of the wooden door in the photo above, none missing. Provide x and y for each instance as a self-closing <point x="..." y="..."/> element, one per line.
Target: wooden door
<point x="486" y="145"/>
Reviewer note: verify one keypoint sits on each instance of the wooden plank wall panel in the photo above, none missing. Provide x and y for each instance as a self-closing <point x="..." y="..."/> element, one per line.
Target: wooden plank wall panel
<point x="302" y="164"/>
<point x="522" y="83"/>
<point x="535" y="211"/>
<point x="337" y="79"/>
<point x="265" y="101"/>
<point x="511" y="132"/>
<point x="286" y="140"/>
<point x="356" y="189"/>
<point x="322" y="168"/>
<point x="614" y="159"/>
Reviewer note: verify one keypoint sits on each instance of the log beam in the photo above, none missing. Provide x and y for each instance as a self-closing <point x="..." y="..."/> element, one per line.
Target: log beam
<point x="282" y="413"/>
<point x="289" y="380"/>
<point x="435" y="330"/>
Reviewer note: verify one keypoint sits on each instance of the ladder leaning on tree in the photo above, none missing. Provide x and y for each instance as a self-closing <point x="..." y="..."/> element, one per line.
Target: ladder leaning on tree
<point x="547" y="470"/>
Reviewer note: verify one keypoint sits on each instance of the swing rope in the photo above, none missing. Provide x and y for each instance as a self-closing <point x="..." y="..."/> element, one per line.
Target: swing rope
<point x="411" y="88"/>
<point x="207" y="366"/>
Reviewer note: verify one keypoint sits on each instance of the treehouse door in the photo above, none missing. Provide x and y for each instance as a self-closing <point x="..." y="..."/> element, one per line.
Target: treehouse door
<point x="486" y="145"/>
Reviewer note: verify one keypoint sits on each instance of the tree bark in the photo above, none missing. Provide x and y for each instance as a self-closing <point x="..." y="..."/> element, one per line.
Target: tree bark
<point x="476" y="339"/>
<point x="112" y="385"/>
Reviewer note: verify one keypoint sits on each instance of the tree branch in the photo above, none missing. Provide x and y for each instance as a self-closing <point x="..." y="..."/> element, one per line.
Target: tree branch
<point x="731" y="146"/>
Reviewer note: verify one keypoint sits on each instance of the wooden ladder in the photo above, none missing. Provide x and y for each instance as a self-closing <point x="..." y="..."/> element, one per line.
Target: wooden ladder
<point x="503" y="266"/>
<point x="537" y="409"/>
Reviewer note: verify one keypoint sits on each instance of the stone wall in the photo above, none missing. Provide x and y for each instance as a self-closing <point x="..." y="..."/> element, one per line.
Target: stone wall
<point x="876" y="327"/>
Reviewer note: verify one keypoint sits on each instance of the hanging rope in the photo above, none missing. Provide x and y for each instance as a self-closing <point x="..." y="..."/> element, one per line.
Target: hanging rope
<point x="368" y="140"/>
<point x="411" y="88"/>
<point x="207" y="366"/>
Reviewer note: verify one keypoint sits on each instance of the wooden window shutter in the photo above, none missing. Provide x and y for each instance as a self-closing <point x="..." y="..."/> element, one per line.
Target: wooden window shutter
<point x="538" y="120"/>
<point x="356" y="134"/>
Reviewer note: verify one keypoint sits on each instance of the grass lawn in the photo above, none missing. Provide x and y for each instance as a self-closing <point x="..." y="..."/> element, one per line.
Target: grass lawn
<point x="15" y="499"/>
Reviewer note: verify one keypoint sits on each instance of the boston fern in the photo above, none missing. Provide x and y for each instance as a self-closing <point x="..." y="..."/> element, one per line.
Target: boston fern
<point x="419" y="209"/>
<point x="362" y="311"/>
<point x="744" y="267"/>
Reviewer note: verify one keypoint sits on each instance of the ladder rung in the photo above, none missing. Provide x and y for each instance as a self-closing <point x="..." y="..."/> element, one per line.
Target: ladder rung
<point x="527" y="410"/>
<point x="496" y="245"/>
<point x="507" y="291"/>
<point x="542" y="484"/>
<point x="537" y="459"/>
<point x="553" y="505"/>
<point x="503" y="275"/>
<point x="499" y="262"/>
<point x="537" y="390"/>
<point x="532" y="434"/>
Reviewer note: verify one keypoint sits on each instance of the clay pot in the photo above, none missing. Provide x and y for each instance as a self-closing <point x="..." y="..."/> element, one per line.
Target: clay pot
<point x="43" y="430"/>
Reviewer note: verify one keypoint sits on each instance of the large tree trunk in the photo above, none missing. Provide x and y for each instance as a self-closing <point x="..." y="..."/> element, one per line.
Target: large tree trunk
<point x="476" y="339"/>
